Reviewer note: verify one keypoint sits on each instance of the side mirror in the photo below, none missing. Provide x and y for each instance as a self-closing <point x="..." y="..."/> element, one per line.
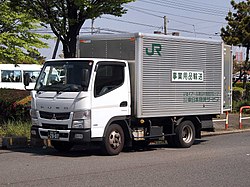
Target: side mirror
<point x="26" y="80"/>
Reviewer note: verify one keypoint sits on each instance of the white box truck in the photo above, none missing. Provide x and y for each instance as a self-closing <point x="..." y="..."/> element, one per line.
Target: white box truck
<point x="130" y="89"/>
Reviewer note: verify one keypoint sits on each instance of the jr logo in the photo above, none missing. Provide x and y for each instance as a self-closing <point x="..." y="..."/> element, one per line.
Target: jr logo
<point x="155" y="47"/>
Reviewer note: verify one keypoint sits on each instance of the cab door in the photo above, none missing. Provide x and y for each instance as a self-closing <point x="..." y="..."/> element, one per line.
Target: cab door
<point x="111" y="95"/>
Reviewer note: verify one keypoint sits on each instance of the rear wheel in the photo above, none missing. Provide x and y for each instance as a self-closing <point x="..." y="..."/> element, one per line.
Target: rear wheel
<point x="62" y="146"/>
<point x="113" y="141"/>
<point x="185" y="134"/>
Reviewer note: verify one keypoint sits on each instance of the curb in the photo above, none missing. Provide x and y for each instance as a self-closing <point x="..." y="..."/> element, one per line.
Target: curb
<point x="224" y="132"/>
<point x="13" y="142"/>
<point x="21" y="142"/>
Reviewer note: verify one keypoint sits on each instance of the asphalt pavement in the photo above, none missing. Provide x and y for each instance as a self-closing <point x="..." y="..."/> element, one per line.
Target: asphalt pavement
<point x="212" y="161"/>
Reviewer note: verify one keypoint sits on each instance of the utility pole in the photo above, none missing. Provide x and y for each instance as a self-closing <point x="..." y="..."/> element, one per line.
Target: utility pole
<point x="56" y="47"/>
<point x="165" y="24"/>
<point x="92" y="25"/>
<point x="194" y="31"/>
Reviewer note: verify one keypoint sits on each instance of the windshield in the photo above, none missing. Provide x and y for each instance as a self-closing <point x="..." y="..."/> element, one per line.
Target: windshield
<point x="60" y="76"/>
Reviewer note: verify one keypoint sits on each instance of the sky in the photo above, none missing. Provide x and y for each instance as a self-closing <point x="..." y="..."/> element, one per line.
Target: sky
<point x="192" y="18"/>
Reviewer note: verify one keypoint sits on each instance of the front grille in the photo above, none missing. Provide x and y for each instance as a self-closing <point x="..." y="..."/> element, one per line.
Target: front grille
<point x="57" y="116"/>
<point x="44" y="133"/>
<point x="54" y="126"/>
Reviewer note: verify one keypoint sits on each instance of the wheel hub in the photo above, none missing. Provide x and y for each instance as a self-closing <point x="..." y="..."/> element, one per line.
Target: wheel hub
<point x="115" y="139"/>
<point x="187" y="134"/>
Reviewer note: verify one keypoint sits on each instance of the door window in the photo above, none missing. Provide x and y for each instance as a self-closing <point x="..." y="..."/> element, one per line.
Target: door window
<point x="108" y="78"/>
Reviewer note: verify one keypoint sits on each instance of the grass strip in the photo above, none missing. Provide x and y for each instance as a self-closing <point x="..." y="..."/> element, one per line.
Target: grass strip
<point x="15" y="128"/>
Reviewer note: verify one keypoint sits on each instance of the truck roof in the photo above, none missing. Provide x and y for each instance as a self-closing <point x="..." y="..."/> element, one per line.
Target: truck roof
<point x="78" y="59"/>
<point x="84" y="38"/>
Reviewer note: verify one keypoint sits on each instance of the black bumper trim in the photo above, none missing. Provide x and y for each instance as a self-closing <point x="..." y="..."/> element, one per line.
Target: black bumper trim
<point x="85" y="132"/>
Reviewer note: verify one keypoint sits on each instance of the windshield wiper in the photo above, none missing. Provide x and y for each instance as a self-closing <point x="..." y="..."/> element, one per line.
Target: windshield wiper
<point x="49" y="88"/>
<point x="61" y="88"/>
<point x="70" y="88"/>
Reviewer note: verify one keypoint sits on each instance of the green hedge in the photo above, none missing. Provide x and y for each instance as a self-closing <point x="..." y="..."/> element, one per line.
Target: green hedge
<point x="14" y="105"/>
<point x="239" y="84"/>
<point x="237" y="93"/>
<point x="238" y="104"/>
<point x="247" y="91"/>
<point x="241" y="97"/>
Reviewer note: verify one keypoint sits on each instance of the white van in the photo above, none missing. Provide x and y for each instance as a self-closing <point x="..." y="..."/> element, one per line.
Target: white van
<point x="12" y="75"/>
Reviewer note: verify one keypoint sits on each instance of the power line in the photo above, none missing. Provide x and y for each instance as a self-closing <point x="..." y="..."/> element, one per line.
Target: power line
<point x="145" y="10"/>
<point x="205" y="4"/>
<point x="131" y="22"/>
<point x="192" y="32"/>
<point x="191" y="7"/>
<point x="142" y="10"/>
<point x="182" y="7"/>
<point x="198" y="6"/>
<point x="173" y="29"/>
<point x="111" y="31"/>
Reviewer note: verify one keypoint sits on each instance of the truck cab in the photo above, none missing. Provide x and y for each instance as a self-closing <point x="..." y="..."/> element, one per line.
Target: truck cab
<point x="81" y="101"/>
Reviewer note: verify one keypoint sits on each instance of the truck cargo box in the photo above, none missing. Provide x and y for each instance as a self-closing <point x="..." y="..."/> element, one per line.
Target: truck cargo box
<point x="170" y="75"/>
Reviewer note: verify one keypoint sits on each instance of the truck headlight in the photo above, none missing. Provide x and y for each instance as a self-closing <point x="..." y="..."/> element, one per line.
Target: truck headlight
<point x="82" y="119"/>
<point x="33" y="114"/>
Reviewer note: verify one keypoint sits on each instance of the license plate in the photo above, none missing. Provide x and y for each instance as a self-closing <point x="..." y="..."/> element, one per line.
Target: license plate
<point x="53" y="135"/>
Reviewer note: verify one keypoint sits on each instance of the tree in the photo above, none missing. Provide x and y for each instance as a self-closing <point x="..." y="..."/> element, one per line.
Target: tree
<point x="237" y="32"/>
<point x="66" y="17"/>
<point x="17" y="41"/>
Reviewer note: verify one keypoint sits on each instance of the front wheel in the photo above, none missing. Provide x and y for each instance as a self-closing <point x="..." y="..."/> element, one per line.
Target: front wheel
<point x="185" y="134"/>
<point x="113" y="141"/>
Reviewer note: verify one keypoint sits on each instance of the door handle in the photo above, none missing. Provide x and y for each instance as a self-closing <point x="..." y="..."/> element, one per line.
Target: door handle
<point x="123" y="104"/>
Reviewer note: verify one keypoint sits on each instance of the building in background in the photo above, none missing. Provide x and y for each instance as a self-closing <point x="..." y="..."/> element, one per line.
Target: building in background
<point x="239" y="53"/>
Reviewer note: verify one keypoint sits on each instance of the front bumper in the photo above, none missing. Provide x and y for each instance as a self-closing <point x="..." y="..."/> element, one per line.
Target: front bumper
<point x="69" y="135"/>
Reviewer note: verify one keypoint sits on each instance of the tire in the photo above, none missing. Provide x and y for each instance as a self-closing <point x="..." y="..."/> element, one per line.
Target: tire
<point x="185" y="134"/>
<point x="113" y="141"/>
<point x="62" y="146"/>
